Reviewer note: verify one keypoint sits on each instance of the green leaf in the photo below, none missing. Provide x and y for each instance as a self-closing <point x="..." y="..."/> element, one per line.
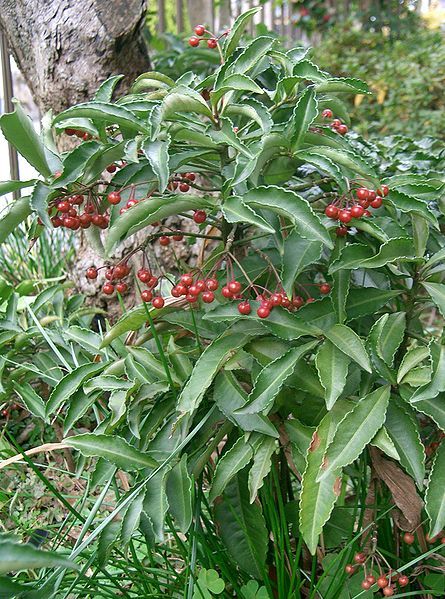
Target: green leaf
<point x="367" y="300"/>
<point x="434" y="408"/>
<point x="231" y="462"/>
<point x="70" y="383"/>
<point x="298" y="253"/>
<point x="341" y="284"/>
<point x="391" y="336"/>
<point x="207" y="366"/>
<point x="262" y="463"/>
<point x="379" y="365"/>
<point x="324" y="164"/>
<point x="403" y="430"/>
<point x="356" y="430"/>
<point x="157" y="155"/>
<point x="242" y="527"/>
<point x="289" y="204"/>
<point x="150" y="80"/>
<point x="132" y="518"/>
<point x="106" y="89"/>
<point x="251" y="55"/>
<point x="33" y="402"/>
<point x="383" y="441"/>
<point x="17" y="213"/>
<point x="40" y="195"/>
<point x="183" y="99"/>
<point x="229" y="397"/>
<point x="347" y="159"/>
<point x="235" y="82"/>
<point x="350" y="344"/>
<point x="155" y="503"/>
<point x="10" y="186"/>
<point x="272" y="378"/>
<point x="437" y="294"/>
<point x="437" y="384"/>
<point x="356" y="255"/>
<point x="75" y="162"/>
<point x="15" y="557"/>
<point x="236" y="211"/>
<point x="408" y="204"/>
<point x="304" y="114"/>
<point x="112" y="448"/>
<point x="435" y="496"/>
<point x="179" y="489"/>
<point x="343" y="84"/>
<point x="237" y="30"/>
<point x="332" y="366"/>
<point x="18" y="129"/>
<point x="149" y="211"/>
<point x="104" y="113"/>
<point x="305" y="69"/>
<point x="412" y="359"/>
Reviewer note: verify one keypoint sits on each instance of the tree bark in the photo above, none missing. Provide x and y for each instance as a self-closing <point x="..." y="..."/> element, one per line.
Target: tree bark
<point x="66" y="48"/>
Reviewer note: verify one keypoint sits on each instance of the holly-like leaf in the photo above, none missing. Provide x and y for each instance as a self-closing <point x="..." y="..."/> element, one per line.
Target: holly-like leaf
<point x="437" y="384"/>
<point x="437" y="294"/>
<point x="113" y="448"/>
<point x="408" y="204"/>
<point x="435" y="496"/>
<point x="104" y="113"/>
<point x="391" y="336"/>
<point x="355" y="431"/>
<point x="349" y="160"/>
<point x="156" y="153"/>
<point x="347" y="341"/>
<point x="237" y="30"/>
<point x="231" y="462"/>
<point x="179" y="489"/>
<point x="70" y="383"/>
<point x="332" y="366"/>
<point x="10" y="186"/>
<point x="411" y="359"/>
<point x="304" y="114"/>
<point x="15" y="557"/>
<point x="33" y="402"/>
<point x="298" y="253"/>
<point x="356" y="255"/>
<point x="366" y="300"/>
<point x="18" y="212"/>
<point x="235" y="211"/>
<point x="262" y="463"/>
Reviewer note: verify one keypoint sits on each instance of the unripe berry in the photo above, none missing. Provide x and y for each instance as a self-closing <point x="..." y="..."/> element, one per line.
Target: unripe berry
<point x="327" y="113"/>
<point x="199" y="30"/>
<point x="212" y="284"/>
<point x="194" y="41"/>
<point x="325" y="288"/>
<point x="408" y="538"/>
<point x="184" y="187"/>
<point x="344" y="216"/>
<point x="108" y="288"/>
<point x="263" y="312"/>
<point x="158" y="302"/>
<point x="357" y="211"/>
<point x="234" y="286"/>
<point x="146" y="295"/>
<point x="244" y="308"/>
<point x="164" y="240"/>
<point x="331" y="211"/>
<point x="121" y="287"/>
<point x="91" y="273"/>
<point x="200" y="216"/>
<point x="114" y="197"/>
<point x="212" y="43"/>
<point x="208" y="297"/>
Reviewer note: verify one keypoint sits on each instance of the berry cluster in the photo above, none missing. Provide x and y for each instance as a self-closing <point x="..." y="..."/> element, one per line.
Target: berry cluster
<point x="385" y="581"/>
<point x="212" y="40"/>
<point x="68" y="214"/>
<point x="114" y="276"/>
<point x="78" y="133"/>
<point x="347" y="207"/>
<point x="335" y="124"/>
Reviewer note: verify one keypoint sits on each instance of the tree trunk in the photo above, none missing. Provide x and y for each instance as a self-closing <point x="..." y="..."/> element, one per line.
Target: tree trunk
<point x="201" y="13"/>
<point x="66" y="48"/>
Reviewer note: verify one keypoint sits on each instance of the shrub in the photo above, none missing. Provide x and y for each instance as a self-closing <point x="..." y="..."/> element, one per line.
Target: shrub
<point x="283" y="396"/>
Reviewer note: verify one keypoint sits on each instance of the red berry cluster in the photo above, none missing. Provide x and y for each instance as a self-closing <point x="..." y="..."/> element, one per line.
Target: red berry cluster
<point x="68" y="214"/>
<point x="78" y="133"/>
<point x="212" y="41"/>
<point x="114" y="276"/>
<point x="179" y="183"/>
<point x="336" y="124"/>
<point x="346" y="208"/>
<point x="192" y="287"/>
<point x="385" y="582"/>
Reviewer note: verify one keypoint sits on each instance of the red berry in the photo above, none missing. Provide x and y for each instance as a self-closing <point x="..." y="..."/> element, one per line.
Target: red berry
<point x="408" y="538"/>
<point x="310" y="300"/>
<point x="388" y="591"/>
<point x="178" y="237"/>
<point x="132" y="203"/>
<point x="342" y="129"/>
<point x="71" y="222"/>
<point x="103" y="221"/>
<point x="331" y="211"/>
<point x="191" y="298"/>
<point x="403" y="580"/>
<point x="234" y="287"/>
<point x="201" y="285"/>
<point x="325" y="288"/>
<point x="70" y="131"/>
<point x="121" y="271"/>
<point x="152" y="281"/>
<point x="184" y="187"/>
<point x="208" y="297"/>
<point x="108" y="288"/>
<point x="362" y="193"/>
<point x="199" y="30"/>
<point x="187" y="280"/>
<point x="72" y="212"/>
<point x="63" y="206"/>
<point x="212" y="284"/>
<point x="86" y="136"/>
<point x="200" y="216"/>
<point x="109" y="274"/>
<point x="164" y="240"/>
<point x="111" y="168"/>
<point x="360" y="558"/>
<point x="366" y="213"/>
<point x="85" y="220"/>
<point x="194" y="41"/>
<point x="327" y="113"/>
<point x="5" y="413"/>
<point x="146" y="295"/>
<point x="176" y="292"/>
<point x="285" y="301"/>
<point x="263" y="312"/>
<point x="364" y="203"/>
<point x="226" y="292"/>
<point x="344" y="216"/>
<point x="384" y="189"/>
<point x="382" y="582"/>
<point x="121" y="287"/>
<point x="371" y="578"/>
<point x="357" y="211"/>
<point x="181" y="289"/>
<point x="267" y="304"/>
<point x="91" y="273"/>
<point x="336" y="123"/>
<point x="244" y="308"/>
<point x="371" y="195"/>
<point x="212" y="43"/>
<point x="366" y="585"/>
<point x="114" y="197"/>
<point x="377" y="202"/>
<point x="89" y="208"/>
<point x="76" y="200"/>
<point x="56" y="221"/>
<point x="190" y="176"/>
<point x="158" y="302"/>
<point x="298" y="301"/>
<point x="349" y="569"/>
<point x="144" y="275"/>
<point x="194" y="290"/>
<point x="96" y="219"/>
